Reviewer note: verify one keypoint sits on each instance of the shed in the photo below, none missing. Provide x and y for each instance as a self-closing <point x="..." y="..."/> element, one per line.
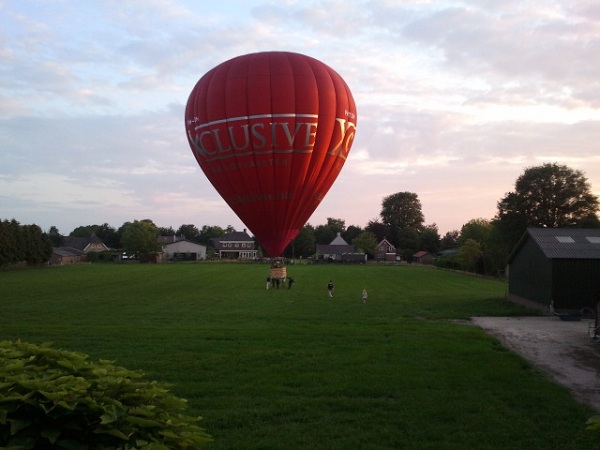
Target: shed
<point x="423" y="257"/>
<point x="558" y="266"/>
<point x="66" y="255"/>
<point x="180" y="249"/>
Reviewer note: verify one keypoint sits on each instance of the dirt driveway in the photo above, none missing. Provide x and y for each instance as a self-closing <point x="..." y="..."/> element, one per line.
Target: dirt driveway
<point x="562" y="349"/>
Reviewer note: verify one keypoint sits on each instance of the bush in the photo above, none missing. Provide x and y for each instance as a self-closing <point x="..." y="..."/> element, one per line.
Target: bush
<point x="54" y="399"/>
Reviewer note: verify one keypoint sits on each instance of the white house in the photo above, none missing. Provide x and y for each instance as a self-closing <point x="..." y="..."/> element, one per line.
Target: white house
<point x="178" y="249"/>
<point x="235" y="245"/>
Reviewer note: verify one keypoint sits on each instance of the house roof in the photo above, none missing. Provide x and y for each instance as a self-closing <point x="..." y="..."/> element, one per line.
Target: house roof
<point x="384" y="241"/>
<point x="336" y="247"/>
<point x="170" y="239"/>
<point x="67" y="251"/>
<point x="563" y="243"/>
<point x="169" y="243"/>
<point x="339" y="240"/>
<point x="81" y="243"/>
<point x="420" y="254"/>
<point x="235" y="236"/>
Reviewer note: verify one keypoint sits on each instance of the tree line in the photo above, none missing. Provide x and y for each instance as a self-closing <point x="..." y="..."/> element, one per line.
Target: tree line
<point x="23" y="244"/>
<point x="550" y="195"/>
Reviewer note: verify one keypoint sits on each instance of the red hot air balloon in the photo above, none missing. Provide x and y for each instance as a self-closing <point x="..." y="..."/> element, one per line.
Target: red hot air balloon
<point x="271" y="131"/>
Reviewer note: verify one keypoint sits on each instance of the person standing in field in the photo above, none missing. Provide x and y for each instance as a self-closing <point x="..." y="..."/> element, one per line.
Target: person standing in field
<point x="330" y="289"/>
<point x="365" y="296"/>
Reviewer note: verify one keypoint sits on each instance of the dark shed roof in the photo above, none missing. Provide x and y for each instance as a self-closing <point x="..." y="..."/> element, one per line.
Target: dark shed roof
<point x="67" y="251"/>
<point x="563" y="243"/>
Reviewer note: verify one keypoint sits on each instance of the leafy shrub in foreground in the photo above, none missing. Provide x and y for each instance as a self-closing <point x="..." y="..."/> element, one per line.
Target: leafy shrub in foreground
<point x="54" y="399"/>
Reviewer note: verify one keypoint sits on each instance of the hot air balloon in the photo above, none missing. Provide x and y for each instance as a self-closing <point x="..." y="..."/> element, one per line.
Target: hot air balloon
<point x="271" y="131"/>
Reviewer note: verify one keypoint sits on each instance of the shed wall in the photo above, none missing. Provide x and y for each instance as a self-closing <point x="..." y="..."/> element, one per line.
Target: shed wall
<point x="575" y="282"/>
<point x="530" y="274"/>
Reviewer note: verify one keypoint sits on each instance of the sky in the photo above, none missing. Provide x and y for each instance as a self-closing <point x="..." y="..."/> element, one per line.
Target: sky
<point x="455" y="99"/>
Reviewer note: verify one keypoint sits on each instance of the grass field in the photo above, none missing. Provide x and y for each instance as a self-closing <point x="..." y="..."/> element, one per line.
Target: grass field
<point x="293" y="369"/>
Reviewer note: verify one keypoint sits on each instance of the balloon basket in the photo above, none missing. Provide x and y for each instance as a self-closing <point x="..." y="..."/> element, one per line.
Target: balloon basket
<point x="278" y="270"/>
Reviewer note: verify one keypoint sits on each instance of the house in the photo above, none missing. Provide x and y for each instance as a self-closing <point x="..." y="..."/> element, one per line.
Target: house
<point x="88" y="244"/>
<point x="558" y="266"/>
<point x="333" y="251"/>
<point x="235" y="245"/>
<point x="177" y="248"/>
<point x="66" y="255"/>
<point x="385" y="251"/>
<point x="423" y="257"/>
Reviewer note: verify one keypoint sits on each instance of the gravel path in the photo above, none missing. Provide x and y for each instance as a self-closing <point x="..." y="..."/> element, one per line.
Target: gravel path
<point x="562" y="349"/>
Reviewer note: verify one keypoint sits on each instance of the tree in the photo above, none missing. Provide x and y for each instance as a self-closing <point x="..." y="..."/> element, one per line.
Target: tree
<point x="166" y="231"/>
<point x="402" y="213"/>
<point x="11" y="243"/>
<point x="55" y="237"/>
<point x="477" y="229"/>
<point x="470" y="256"/>
<point x="141" y="238"/>
<point x="430" y="239"/>
<point x="408" y="242"/>
<point x="496" y="251"/>
<point x="23" y="243"/>
<point x="351" y="232"/>
<point x="550" y="195"/>
<point x="380" y="230"/>
<point x="450" y="240"/>
<point x="190" y="232"/>
<point x="108" y="235"/>
<point x="324" y="234"/>
<point x="365" y="242"/>
<point x="208" y="232"/>
<point x="83" y="231"/>
<point x="337" y="225"/>
<point x="38" y="247"/>
<point x="304" y="243"/>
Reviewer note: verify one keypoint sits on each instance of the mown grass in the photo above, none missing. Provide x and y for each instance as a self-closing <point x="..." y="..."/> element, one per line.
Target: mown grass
<point x="293" y="369"/>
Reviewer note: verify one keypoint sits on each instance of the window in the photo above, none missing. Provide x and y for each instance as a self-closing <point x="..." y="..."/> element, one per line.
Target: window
<point x="565" y="239"/>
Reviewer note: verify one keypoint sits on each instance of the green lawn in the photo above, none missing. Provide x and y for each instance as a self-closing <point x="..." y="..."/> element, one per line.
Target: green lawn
<point x="293" y="369"/>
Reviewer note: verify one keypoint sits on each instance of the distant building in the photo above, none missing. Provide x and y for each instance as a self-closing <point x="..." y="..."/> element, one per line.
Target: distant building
<point x="87" y="244"/>
<point x="334" y="251"/>
<point x="75" y="249"/>
<point x="176" y="248"/>
<point x="423" y="257"/>
<point x="385" y="251"/>
<point x="66" y="255"/>
<point x="235" y="245"/>
<point x="556" y="265"/>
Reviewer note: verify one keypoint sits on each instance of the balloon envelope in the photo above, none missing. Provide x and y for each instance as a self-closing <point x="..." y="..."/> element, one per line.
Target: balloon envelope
<point x="271" y="131"/>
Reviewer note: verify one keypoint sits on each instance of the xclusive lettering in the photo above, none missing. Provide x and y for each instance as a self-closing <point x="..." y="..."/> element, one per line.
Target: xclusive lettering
<point x="265" y="134"/>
